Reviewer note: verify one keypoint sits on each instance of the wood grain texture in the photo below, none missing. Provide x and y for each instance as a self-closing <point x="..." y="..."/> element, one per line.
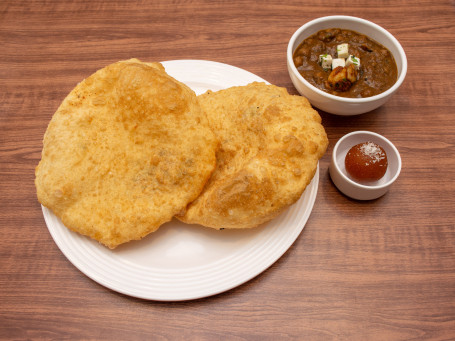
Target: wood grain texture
<point x="381" y="270"/>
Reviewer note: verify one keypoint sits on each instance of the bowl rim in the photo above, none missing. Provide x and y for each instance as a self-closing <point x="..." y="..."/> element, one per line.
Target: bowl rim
<point x="380" y="96"/>
<point x="359" y="185"/>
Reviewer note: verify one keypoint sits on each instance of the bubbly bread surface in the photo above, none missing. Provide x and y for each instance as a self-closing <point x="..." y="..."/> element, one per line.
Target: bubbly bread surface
<point x="127" y="149"/>
<point x="270" y="145"/>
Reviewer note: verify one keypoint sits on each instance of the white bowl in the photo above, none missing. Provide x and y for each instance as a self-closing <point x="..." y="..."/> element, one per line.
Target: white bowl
<point x="335" y="104"/>
<point x="352" y="188"/>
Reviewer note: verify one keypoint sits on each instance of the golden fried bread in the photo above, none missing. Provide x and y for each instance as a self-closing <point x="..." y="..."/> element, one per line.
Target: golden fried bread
<point x="271" y="143"/>
<point x="127" y="149"/>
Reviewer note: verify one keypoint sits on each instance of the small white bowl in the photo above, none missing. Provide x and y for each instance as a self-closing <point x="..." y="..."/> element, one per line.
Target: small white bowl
<point x="352" y="188"/>
<point x="335" y="104"/>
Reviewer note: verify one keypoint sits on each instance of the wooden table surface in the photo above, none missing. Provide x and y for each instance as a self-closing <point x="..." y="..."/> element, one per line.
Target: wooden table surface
<point x="379" y="270"/>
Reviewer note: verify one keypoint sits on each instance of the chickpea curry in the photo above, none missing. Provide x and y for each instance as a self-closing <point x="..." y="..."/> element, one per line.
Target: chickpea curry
<point x="346" y="63"/>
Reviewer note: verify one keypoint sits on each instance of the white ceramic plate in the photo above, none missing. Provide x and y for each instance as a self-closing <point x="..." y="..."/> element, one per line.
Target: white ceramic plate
<point x="179" y="261"/>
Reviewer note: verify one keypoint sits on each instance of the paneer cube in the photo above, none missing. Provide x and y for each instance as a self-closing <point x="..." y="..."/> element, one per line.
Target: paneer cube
<point x="353" y="60"/>
<point x="342" y="50"/>
<point x="338" y="62"/>
<point x="325" y="60"/>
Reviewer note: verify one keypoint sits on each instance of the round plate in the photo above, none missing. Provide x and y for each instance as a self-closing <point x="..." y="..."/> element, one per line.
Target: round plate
<point x="180" y="261"/>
